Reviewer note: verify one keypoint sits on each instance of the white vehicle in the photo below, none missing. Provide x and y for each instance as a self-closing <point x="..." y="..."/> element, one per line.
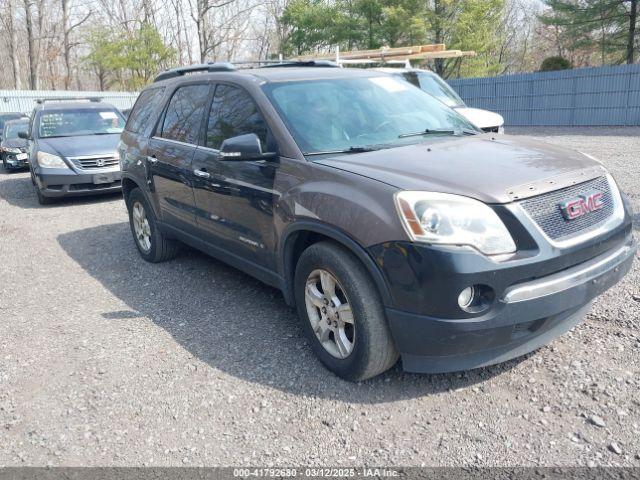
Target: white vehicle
<point x="434" y="85"/>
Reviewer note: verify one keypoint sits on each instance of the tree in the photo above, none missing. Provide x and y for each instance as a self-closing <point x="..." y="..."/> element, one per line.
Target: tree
<point x="604" y="26"/>
<point x="7" y="21"/>
<point x="317" y="25"/>
<point x="31" y="44"/>
<point x="551" y="64"/>
<point x="67" y="29"/>
<point x="467" y="25"/>
<point x="131" y="61"/>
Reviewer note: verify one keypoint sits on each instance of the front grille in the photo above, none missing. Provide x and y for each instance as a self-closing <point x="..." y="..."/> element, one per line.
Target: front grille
<point x="545" y="209"/>
<point x="90" y="163"/>
<point x="491" y="129"/>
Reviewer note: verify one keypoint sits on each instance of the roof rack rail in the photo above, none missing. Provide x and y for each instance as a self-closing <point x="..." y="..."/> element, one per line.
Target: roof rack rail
<point x="303" y="63"/>
<point x="283" y="63"/>
<point x="66" y="99"/>
<point x="202" y="67"/>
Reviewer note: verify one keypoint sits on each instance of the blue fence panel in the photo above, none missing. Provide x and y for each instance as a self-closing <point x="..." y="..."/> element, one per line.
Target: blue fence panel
<point x="25" y="100"/>
<point x="586" y="96"/>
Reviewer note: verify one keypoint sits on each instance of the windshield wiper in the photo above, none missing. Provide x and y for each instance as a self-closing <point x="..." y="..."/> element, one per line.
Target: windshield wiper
<point x="438" y="131"/>
<point x="348" y="150"/>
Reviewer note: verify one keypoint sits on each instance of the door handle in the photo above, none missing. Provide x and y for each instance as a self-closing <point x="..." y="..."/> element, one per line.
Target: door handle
<point x="201" y="173"/>
<point x="152" y="160"/>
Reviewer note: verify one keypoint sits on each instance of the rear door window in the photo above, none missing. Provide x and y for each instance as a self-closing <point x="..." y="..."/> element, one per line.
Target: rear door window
<point x="143" y="109"/>
<point x="184" y="113"/>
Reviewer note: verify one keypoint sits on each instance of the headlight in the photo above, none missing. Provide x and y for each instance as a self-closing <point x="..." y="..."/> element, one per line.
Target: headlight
<point x="47" y="160"/>
<point x="453" y="220"/>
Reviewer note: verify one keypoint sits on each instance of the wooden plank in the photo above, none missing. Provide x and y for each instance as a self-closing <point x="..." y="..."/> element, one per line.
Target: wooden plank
<point x="383" y="52"/>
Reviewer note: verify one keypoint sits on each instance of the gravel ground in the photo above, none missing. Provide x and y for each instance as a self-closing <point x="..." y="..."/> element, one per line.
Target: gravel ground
<point x="108" y="360"/>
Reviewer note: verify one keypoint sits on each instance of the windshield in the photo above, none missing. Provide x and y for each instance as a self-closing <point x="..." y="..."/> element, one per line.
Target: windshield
<point x="7" y="118"/>
<point x="71" y="123"/>
<point x="11" y="129"/>
<point x="434" y="85"/>
<point x="351" y="114"/>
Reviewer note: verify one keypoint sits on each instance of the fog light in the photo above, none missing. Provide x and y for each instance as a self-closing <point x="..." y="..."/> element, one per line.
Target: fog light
<point x="466" y="297"/>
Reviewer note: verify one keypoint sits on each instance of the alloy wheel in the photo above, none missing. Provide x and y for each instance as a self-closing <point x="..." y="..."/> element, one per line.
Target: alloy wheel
<point x="330" y="313"/>
<point x="141" y="226"/>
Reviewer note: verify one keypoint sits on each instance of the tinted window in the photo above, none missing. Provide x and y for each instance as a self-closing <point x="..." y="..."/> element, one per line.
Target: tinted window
<point x="142" y="110"/>
<point x="234" y="113"/>
<point x="184" y="114"/>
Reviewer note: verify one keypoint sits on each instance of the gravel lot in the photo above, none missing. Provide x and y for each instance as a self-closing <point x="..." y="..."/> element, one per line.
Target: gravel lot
<point x="108" y="360"/>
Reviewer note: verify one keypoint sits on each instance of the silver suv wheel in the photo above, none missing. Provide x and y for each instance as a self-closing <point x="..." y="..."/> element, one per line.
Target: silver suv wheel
<point x="141" y="226"/>
<point x="330" y="314"/>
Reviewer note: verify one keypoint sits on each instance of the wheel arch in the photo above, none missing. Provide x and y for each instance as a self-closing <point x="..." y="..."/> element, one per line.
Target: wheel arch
<point x="300" y="235"/>
<point x="129" y="183"/>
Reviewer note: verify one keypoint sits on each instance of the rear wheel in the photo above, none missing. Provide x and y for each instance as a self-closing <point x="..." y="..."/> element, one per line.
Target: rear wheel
<point x="342" y="313"/>
<point x="152" y="244"/>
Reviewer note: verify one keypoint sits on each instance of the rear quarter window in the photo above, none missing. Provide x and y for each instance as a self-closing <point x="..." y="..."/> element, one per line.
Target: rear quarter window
<point x="143" y="109"/>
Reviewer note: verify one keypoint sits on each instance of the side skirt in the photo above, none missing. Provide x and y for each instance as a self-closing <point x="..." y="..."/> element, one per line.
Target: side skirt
<point x="250" y="268"/>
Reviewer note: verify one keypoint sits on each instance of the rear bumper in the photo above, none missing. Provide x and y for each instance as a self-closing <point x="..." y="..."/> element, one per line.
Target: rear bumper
<point x="65" y="182"/>
<point x="525" y="317"/>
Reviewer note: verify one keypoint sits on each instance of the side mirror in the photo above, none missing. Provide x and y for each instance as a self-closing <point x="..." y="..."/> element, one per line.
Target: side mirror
<point x="23" y="135"/>
<point x="244" y="147"/>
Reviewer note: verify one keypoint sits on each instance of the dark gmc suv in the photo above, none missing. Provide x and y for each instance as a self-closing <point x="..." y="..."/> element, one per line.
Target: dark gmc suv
<point x="395" y="227"/>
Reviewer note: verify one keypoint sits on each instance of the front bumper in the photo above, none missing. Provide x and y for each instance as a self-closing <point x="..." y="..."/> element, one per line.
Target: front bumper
<point x="526" y="316"/>
<point x="66" y="182"/>
<point x="12" y="162"/>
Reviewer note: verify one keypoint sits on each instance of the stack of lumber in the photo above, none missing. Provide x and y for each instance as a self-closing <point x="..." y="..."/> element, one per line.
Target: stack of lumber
<point x="418" y="52"/>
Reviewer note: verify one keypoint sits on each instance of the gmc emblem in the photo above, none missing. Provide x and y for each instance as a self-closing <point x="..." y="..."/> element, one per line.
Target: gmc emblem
<point x="581" y="205"/>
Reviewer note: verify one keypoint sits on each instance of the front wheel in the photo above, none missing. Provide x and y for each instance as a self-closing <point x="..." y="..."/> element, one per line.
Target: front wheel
<point x="42" y="200"/>
<point x="342" y="313"/>
<point x="152" y="244"/>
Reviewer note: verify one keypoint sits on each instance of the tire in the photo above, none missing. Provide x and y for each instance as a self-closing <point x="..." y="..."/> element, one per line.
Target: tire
<point x="42" y="200"/>
<point x="159" y="248"/>
<point x="4" y="164"/>
<point x="373" y="350"/>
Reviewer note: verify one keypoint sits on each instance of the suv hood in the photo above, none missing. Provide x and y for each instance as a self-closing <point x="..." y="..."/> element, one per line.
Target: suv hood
<point x="490" y="170"/>
<point x="80" y="146"/>
<point x="481" y="118"/>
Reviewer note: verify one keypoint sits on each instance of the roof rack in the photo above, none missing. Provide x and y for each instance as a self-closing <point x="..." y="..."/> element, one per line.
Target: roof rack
<point x="285" y="63"/>
<point x="231" y="66"/>
<point x="202" y="67"/>
<point x="65" y="99"/>
<point x="304" y="63"/>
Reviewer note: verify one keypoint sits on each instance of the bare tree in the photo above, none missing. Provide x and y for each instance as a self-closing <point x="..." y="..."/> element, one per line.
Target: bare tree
<point x="7" y="20"/>
<point x="31" y="45"/>
<point x="67" y="30"/>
